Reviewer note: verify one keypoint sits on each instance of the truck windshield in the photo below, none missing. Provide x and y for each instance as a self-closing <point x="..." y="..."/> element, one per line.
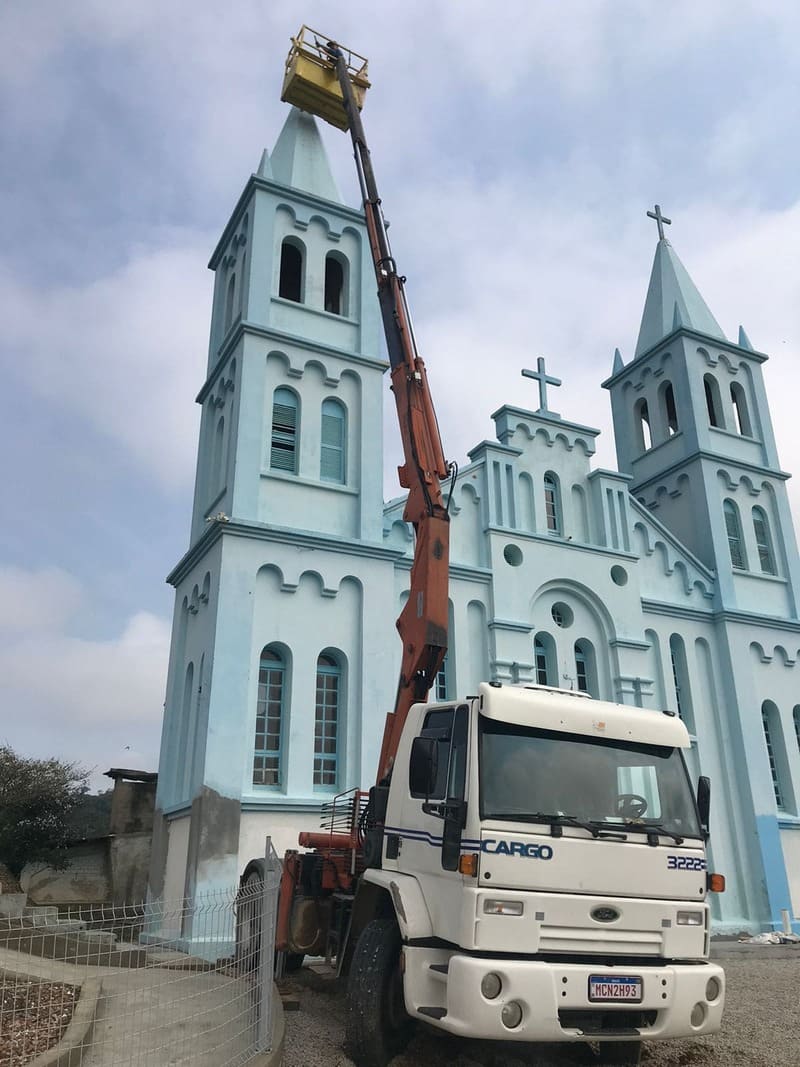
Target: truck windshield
<point x="546" y="776"/>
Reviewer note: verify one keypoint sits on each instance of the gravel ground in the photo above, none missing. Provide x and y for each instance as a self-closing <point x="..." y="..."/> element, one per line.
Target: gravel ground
<point x="33" y="1016"/>
<point x="760" y="1028"/>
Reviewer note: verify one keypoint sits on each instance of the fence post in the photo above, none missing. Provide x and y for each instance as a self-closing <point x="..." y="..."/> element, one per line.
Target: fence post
<point x="266" y="954"/>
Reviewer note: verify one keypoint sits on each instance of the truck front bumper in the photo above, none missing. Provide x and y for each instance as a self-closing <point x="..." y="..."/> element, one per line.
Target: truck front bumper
<point x="678" y="1000"/>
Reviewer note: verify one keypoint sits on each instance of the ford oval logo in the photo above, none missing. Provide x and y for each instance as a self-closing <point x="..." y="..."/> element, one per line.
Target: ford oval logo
<point x="604" y="915"/>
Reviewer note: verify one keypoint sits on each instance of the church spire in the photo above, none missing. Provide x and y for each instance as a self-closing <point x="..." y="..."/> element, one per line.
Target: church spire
<point x="299" y="159"/>
<point x="672" y="298"/>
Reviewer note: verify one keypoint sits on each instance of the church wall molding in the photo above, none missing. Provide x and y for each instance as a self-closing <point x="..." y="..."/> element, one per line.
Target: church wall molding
<point x="252" y="329"/>
<point x="277" y="535"/>
<point x="288" y="197"/>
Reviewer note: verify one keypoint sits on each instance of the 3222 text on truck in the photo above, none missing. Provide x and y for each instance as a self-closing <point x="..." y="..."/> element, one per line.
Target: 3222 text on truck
<point x="531" y="863"/>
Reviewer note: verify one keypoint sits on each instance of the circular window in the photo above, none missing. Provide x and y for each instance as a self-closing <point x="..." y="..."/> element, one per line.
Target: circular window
<point x="619" y="576"/>
<point x="512" y="554"/>
<point x="562" y="615"/>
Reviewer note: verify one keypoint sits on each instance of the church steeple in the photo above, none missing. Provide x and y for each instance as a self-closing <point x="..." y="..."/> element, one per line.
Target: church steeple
<point x="673" y="300"/>
<point x="299" y="159"/>
<point x="693" y="430"/>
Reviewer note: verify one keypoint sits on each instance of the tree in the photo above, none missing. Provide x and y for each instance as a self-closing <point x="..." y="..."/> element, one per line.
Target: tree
<point x="37" y="798"/>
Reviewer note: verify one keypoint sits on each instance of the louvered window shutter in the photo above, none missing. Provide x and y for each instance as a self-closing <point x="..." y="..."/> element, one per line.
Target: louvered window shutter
<point x="332" y="445"/>
<point x="284" y="437"/>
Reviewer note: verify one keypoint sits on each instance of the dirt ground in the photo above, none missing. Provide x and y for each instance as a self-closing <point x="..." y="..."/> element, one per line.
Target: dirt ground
<point x="33" y="1016"/>
<point x="761" y="1028"/>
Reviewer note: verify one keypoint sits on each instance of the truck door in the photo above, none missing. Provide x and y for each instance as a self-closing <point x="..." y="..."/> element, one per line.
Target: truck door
<point x="433" y="825"/>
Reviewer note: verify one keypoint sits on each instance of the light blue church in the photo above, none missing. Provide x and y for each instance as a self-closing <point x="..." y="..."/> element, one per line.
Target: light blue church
<point x="670" y="583"/>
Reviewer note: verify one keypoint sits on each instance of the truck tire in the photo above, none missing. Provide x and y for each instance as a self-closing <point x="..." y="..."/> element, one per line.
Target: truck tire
<point x="377" y="1027"/>
<point x="619" y="1053"/>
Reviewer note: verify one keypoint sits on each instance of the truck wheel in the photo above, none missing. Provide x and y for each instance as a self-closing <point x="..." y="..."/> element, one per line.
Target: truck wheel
<point x="618" y="1053"/>
<point x="377" y="1026"/>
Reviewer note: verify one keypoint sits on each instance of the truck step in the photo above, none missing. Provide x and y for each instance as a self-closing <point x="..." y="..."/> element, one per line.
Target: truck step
<point x="439" y="968"/>
<point x="433" y="1013"/>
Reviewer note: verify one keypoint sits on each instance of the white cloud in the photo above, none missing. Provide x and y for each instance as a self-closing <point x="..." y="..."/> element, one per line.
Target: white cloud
<point x="98" y="702"/>
<point x="37" y="600"/>
<point x="127" y="352"/>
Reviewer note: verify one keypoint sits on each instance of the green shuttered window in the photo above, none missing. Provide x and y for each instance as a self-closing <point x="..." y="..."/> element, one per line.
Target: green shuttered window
<point x="332" y="442"/>
<point x="283" y="448"/>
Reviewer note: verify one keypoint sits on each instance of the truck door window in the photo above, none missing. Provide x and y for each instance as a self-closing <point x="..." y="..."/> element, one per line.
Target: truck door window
<point x="449" y="727"/>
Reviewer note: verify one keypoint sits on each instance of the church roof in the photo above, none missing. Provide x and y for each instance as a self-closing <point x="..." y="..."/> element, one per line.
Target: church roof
<point x="299" y="158"/>
<point x="673" y="300"/>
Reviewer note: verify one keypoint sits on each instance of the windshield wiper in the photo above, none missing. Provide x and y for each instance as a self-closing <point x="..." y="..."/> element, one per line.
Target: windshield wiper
<point x="557" y="821"/>
<point x="652" y="829"/>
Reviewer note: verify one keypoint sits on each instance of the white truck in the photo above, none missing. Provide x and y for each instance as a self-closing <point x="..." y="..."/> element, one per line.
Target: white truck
<point x="530" y="864"/>
<point x="543" y="878"/>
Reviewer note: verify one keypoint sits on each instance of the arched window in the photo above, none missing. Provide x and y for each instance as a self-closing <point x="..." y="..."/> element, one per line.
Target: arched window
<point x="326" y="721"/>
<point x="669" y="409"/>
<point x="335" y="284"/>
<point x="733" y="528"/>
<point x="778" y="766"/>
<point x="216" y="459"/>
<point x="740" y="413"/>
<point x="333" y="438"/>
<point x="766" y="555"/>
<point x="440" y="687"/>
<point x="283" y="449"/>
<point x="229" y="299"/>
<point x="641" y="415"/>
<point x="290" y="285"/>
<point x="680" y="677"/>
<point x="184" y="755"/>
<point x="552" y="504"/>
<point x="585" y="667"/>
<point x="796" y="717"/>
<point x="544" y="660"/>
<point x="269" y="718"/>
<point x="713" y="403"/>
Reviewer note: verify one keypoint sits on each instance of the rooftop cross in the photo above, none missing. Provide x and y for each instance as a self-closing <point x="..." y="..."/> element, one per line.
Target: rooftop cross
<point x="660" y="221"/>
<point x="543" y="379"/>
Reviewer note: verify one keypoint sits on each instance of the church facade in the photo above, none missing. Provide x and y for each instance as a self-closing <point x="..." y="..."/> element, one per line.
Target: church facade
<point x="671" y="583"/>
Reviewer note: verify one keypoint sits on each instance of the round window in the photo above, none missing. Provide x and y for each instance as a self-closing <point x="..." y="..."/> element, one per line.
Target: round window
<point x="563" y="615"/>
<point x="619" y="576"/>
<point x="512" y="554"/>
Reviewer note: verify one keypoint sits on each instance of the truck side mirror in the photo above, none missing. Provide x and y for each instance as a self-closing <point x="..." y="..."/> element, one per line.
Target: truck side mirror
<point x="423" y="767"/>
<point x="704" y="800"/>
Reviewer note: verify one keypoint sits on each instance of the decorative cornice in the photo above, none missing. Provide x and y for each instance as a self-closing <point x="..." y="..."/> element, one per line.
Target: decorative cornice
<point x="252" y="329"/>
<point x="712" y="457"/>
<point x="659" y="607"/>
<point x="280" y="802"/>
<point x="276" y="535"/>
<point x="510" y="626"/>
<point x="562" y="542"/>
<point x="685" y="331"/>
<point x="286" y="193"/>
<point x="629" y="642"/>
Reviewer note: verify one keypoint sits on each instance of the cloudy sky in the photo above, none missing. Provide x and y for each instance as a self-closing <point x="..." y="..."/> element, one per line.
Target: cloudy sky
<point x="517" y="152"/>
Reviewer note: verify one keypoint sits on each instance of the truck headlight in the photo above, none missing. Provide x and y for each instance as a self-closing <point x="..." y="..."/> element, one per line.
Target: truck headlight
<point x="690" y="918"/>
<point x="491" y="985"/>
<point x="713" y="988"/>
<point x="502" y="907"/>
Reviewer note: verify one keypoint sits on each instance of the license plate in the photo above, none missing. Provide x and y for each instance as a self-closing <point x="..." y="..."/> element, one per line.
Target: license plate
<point x="614" y="988"/>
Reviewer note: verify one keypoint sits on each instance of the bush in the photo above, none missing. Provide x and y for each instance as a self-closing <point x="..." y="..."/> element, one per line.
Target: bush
<point x="37" y="798"/>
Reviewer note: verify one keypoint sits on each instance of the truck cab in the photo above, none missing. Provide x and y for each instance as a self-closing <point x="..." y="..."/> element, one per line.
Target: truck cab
<point x="545" y="857"/>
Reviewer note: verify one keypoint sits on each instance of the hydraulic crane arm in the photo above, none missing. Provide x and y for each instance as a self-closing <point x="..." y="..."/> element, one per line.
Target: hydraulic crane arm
<point x="423" y="622"/>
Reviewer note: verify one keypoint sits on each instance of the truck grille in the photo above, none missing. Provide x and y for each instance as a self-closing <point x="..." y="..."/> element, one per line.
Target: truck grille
<point x="613" y="942"/>
<point x="591" y="1021"/>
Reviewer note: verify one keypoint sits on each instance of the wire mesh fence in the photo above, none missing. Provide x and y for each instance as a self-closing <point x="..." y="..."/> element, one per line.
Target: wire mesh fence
<point x="146" y="985"/>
